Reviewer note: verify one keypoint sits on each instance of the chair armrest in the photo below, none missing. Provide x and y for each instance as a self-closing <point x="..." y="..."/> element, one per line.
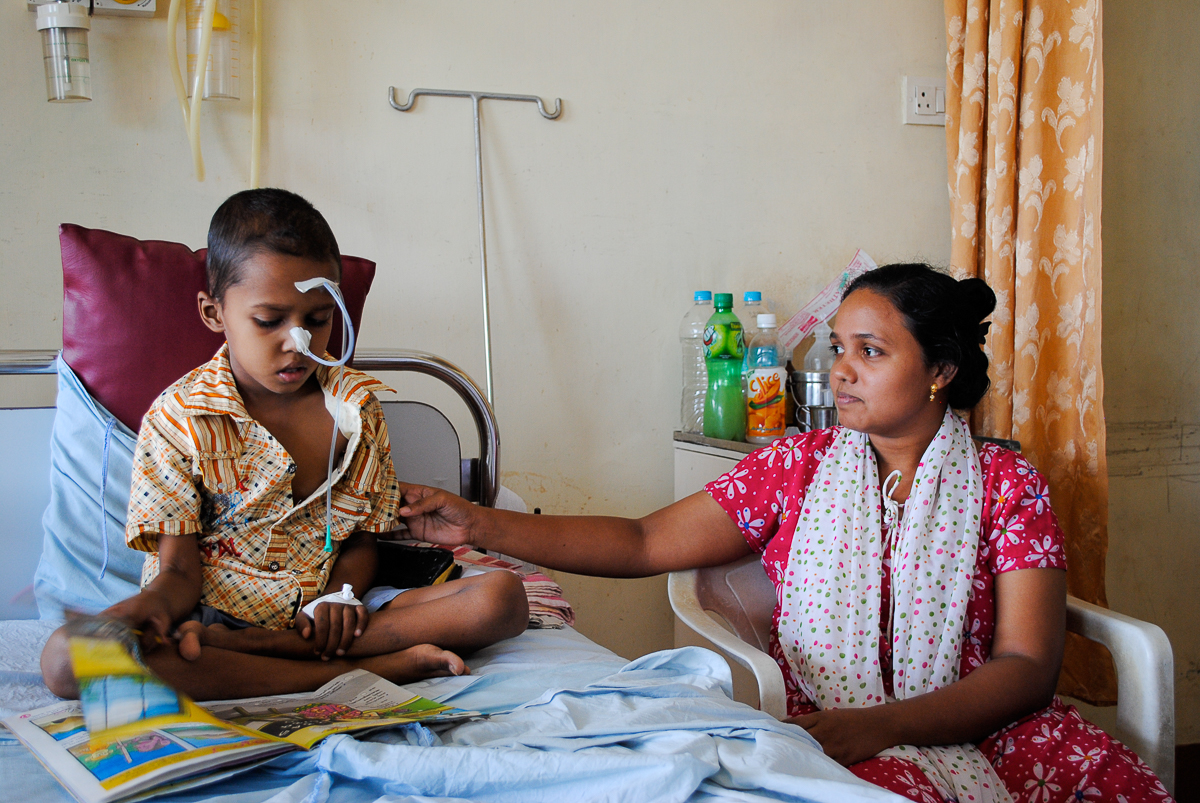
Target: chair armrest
<point x="681" y="588"/>
<point x="1145" y="681"/>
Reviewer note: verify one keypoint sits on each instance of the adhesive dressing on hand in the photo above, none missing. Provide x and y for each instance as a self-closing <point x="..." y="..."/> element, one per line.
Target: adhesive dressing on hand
<point x="343" y="597"/>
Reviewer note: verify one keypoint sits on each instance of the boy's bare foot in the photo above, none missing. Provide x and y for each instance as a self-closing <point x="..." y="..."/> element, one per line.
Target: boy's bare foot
<point x="415" y="663"/>
<point x="193" y="634"/>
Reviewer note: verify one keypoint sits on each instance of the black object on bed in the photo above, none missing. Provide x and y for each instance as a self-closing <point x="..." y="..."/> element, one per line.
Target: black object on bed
<point x="408" y="566"/>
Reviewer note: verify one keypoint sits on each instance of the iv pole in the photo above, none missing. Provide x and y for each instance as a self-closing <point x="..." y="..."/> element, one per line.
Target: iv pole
<point x="475" y="98"/>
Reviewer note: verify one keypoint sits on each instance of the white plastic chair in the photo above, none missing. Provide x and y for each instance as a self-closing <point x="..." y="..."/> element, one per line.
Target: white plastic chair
<point x="741" y="595"/>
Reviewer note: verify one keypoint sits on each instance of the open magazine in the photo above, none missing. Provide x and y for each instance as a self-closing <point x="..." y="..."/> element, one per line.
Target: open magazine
<point x="130" y="736"/>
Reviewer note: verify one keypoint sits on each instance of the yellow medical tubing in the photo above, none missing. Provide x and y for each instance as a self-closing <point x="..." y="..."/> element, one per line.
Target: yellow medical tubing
<point x="191" y="111"/>
<point x="173" y="56"/>
<point x="256" y="113"/>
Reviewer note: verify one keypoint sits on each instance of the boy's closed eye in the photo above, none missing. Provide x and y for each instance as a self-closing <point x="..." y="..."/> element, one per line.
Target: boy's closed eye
<point x="312" y="322"/>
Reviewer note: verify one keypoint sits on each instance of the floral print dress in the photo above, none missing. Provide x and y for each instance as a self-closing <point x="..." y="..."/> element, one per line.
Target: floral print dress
<point x="1051" y="755"/>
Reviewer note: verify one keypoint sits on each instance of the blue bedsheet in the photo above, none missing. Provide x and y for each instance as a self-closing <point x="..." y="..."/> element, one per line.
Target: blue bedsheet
<point x="587" y="726"/>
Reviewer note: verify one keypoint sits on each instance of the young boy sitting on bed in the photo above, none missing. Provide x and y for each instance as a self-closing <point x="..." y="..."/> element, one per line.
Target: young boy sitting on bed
<point x="228" y="496"/>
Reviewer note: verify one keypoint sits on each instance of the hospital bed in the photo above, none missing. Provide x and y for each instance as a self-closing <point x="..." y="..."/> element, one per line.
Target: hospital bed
<point x="569" y="720"/>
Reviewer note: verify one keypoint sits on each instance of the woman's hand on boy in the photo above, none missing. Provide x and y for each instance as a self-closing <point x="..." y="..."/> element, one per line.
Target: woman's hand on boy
<point x="333" y="627"/>
<point x="437" y="516"/>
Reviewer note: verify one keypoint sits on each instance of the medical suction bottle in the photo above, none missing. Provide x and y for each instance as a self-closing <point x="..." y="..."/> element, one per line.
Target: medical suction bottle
<point x="695" y="371"/>
<point x="724" y="408"/>
<point x="766" y="405"/>
<point x="64" y="28"/>
<point x="222" y="73"/>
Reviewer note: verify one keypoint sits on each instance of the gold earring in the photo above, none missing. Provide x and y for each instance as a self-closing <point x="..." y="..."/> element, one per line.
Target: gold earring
<point x="933" y="389"/>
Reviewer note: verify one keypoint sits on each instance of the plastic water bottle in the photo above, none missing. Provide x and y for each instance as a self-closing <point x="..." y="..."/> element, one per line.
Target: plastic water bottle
<point x="766" y="381"/>
<point x="815" y="408"/>
<point x="820" y="356"/>
<point x="695" y="372"/>
<point x="724" y="408"/>
<point x="751" y="307"/>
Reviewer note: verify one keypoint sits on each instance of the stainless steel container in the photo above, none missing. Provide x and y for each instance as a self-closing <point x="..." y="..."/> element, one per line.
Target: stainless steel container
<point x="814" y="400"/>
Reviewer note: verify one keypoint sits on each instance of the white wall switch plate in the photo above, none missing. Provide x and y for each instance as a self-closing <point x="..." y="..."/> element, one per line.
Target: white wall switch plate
<point x="924" y="101"/>
<point x="123" y="8"/>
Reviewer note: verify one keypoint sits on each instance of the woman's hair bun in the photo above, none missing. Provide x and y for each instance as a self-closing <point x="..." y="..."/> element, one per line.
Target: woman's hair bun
<point x="977" y="299"/>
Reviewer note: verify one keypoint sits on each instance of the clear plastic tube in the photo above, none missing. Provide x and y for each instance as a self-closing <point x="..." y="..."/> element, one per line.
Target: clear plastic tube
<point x="302" y="338"/>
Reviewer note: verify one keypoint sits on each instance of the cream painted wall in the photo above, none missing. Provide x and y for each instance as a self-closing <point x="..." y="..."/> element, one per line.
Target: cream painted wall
<point x="715" y="145"/>
<point x="1151" y="340"/>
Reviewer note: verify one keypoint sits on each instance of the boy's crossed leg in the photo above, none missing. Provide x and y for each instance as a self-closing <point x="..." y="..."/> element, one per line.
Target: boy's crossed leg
<point x="219" y="674"/>
<point x="460" y="615"/>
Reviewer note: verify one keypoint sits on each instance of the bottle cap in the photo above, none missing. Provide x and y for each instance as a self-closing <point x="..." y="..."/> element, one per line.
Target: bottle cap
<point x="702" y="295"/>
<point x="723" y="300"/>
<point x="766" y="320"/>
<point x="63" y="15"/>
<point x="751" y="296"/>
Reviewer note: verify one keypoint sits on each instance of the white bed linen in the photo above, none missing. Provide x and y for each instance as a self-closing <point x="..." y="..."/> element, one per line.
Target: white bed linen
<point x="585" y="725"/>
<point x="21" y="686"/>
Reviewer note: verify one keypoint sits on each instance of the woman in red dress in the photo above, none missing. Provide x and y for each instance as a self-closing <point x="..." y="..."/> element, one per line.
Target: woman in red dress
<point x="920" y="578"/>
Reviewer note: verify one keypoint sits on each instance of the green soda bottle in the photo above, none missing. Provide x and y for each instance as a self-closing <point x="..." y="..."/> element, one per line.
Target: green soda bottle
<point x="724" y="406"/>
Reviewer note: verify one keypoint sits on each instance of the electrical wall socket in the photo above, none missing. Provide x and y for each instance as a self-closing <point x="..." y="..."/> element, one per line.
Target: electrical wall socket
<point x="123" y="8"/>
<point x="924" y="101"/>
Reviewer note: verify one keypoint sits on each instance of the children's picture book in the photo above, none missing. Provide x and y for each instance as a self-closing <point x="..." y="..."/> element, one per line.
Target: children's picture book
<point x="130" y="736"/>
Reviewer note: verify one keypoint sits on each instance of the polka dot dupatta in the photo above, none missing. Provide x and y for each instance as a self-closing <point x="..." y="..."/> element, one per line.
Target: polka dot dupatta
<point x="829" y="604"/>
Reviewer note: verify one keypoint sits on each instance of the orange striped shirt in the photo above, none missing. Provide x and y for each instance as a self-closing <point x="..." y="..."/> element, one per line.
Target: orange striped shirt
<point x="203" y="466"/>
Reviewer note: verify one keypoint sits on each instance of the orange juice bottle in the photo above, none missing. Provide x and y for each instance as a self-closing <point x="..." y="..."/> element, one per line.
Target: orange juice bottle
<point x="766" y="381"/>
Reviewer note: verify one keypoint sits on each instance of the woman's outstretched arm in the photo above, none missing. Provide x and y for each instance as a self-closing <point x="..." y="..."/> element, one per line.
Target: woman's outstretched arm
<point x="1017" y="680"/>
<point x="691" y="533"/>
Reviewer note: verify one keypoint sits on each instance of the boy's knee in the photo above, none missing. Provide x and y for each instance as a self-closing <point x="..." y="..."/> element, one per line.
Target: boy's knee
<point x="506" y="600"/>
<point x="56" y="666"/>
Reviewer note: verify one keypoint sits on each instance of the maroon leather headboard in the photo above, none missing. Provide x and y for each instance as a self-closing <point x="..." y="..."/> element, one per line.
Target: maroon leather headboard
<point x="130" y="322"/>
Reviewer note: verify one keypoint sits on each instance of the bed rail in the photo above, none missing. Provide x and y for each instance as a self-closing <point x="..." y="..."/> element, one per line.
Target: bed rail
<point x="487" y="476"/>
<point x="26" y="362"/>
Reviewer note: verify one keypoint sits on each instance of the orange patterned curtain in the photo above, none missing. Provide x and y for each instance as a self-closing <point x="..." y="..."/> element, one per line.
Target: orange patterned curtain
<point x="1023" y="133"/>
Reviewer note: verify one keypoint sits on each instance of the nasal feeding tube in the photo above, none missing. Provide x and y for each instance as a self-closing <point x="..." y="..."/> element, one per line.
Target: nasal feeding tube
<point x="302" y="338"/>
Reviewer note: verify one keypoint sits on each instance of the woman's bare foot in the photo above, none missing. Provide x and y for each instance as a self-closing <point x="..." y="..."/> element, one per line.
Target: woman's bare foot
<point x="415" y="663"/>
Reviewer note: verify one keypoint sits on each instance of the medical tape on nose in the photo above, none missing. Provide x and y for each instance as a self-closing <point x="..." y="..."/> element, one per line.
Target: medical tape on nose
<point x="302" y="338"/>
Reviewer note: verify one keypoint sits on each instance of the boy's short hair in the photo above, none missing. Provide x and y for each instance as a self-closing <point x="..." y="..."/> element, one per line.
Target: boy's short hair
<point x="267" y="219"/>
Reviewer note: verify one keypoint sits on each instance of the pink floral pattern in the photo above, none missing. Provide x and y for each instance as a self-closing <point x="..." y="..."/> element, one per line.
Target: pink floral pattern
<point x="1018" y="531"/>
